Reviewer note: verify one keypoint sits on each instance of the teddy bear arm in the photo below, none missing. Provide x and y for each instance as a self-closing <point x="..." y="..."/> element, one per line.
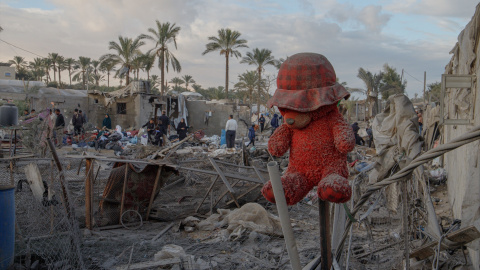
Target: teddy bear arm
<point x="279" y="142"/>
<point x="343" y="136"/>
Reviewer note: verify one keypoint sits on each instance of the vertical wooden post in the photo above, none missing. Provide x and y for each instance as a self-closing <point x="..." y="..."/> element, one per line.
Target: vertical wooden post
<point x="325" y="235"/>
<point x="157" y="178"/>
<point x="88" y="192"/>
<point x="123" y="193"/>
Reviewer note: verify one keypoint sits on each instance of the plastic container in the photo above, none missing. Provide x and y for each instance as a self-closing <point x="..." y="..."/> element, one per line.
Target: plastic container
<point x="7" y="226"/>
<point x="8" y="115"/>
<point x="223" y="137"/>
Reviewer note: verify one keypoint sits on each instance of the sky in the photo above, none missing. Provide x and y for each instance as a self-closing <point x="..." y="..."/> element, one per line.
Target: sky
<point x="413" y="35"/>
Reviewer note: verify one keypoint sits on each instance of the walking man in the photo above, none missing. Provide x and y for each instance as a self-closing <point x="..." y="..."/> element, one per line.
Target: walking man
<point x="261" y="121"/>
<point x="77" y="122"/>
<point x="251" y="135"/>
<point x="231" y="129"/>
<point x="59" y="125"/>
<point x="165" y="126"/>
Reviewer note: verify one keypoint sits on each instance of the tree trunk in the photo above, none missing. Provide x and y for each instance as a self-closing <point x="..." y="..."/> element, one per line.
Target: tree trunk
<point x="259" y="81"/>
<point x="162" y="74"/>
<point x="84" y="85"/>
<point x="226" y="74"/>
<point x="70" y="75"/>
<point x="54" y="73"/>
<point x="108" y="79"/>
<point x="59" y="79"/>
<point x="127" y="80"/>
<point x="148" y="75"/>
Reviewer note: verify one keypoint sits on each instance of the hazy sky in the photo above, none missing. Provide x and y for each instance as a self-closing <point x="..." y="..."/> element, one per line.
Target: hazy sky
<point x="414" y="35"/>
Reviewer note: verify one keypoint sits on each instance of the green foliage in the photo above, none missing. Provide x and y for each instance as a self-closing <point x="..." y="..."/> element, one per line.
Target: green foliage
<point x="391" y="83"/>
<point x="21" y="105"/>
<point x="53" y="84"/>
<point x="433" y="92"/>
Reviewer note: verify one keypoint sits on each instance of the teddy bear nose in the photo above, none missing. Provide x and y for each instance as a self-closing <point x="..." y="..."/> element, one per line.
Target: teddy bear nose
<point x="290" y="121"/>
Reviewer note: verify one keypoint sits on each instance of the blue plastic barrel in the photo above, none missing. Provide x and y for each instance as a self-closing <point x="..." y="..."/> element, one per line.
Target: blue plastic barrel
<point x="7" y="226"/>
<point x="223" y="137"/>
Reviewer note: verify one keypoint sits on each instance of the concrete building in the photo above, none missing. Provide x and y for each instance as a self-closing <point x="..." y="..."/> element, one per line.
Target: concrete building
<point x="7" y="72"/>
<point x="463" y="164"/>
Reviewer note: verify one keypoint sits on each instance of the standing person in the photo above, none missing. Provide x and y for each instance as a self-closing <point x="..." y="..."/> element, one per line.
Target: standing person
<point x="164" y="122"/>
<point x="370" y="136"/>
<point x="150" y="129"/>
<point x="420" y="121"/>
<point x="261" y="121"/>
<point x="182" y="129"/>
<point x="25" y="112"/>
<point x="59" y="125"/>
<point x="107" y="122"/>
<point x="77" y="122"/>
<point x="274" y="122"/>
<point x="231" y="129"/>
<point x="158" y="136"/>
<point x="251" y="135"/>
<point x="358" y="139"/>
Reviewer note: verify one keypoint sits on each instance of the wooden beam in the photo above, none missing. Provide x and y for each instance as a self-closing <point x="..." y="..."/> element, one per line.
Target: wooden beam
<point x="123" y="193"/>
<point x="157" y="178"/>
<point x="225" y="181"/>
<point x="325" y="236"/>
<point x="88" y="192"/>
<point x="206" y="194"/>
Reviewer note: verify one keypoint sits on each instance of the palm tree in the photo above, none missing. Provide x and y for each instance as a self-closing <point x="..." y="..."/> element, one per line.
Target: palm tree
<point x="227" y="43"/>
<point x="372" y="83"/>
<point x="164" y="34"/>
<point x="84" y="64"/>
<point x="177" y="81"/>
<point x="188" y="80"/>
<point x="37" y="67"/>
<point x="19" y="63"/>
<point x="108" y="65"/>
<point x="96" y="69"/>
<point x="61" y="65"/>
<point x="247" y="81"/>
<point x="260" y="58"/>
<point x="47" y="62"/>
<point x="196" y="87"/>
<point x="70" y="64"/>
<point x="126" y="50"/>
<point x="54" y="58"/>
<point x="148" y="62"/>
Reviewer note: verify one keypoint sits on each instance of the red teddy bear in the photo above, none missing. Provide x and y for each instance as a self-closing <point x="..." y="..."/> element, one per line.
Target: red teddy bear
<point x="317" y="135"/>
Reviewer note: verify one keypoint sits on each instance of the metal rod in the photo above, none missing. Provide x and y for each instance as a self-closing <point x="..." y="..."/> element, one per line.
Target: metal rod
<point x="283" y="213"/>
<point x="325" y="236"/>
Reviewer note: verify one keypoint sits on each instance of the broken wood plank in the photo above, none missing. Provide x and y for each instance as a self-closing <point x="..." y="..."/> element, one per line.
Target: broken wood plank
<point x="235" y="176"/>
<point x="159" y="170"/>
<point x="245" y="193"/>
<point x="225" y="181"/>
<point x="206" y="194"/>
<point x="259" y="174"/>
<point x="149" y="264"/>
<point x="161" y="233"/>
<point x="460" y="237"/>
<point x="123" y="193"/>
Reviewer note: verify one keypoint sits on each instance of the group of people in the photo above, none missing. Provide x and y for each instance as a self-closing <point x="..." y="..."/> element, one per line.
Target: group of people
<point x="157" y="133"/>
<point x="231" y="129"/>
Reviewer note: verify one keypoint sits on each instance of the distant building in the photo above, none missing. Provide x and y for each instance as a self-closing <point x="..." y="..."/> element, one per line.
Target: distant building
<point x="7" y="72"/>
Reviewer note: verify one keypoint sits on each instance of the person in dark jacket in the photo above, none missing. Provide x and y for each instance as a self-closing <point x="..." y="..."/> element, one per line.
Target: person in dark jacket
<point x="158" y="138"/>
<point x="274" y="123"/>
<point x="60" y="122"/>
<point x="150" y="129"/>
<point x="107" y="122"/>
<point x="370" y="136"/>
<point x="261" y="121"/>
<point x="358" y="139"/>
<point x="77" y="122"/>
<point x="182" y="129"/>
<point x="164" y="122"/>
<point x="251" y="135"/>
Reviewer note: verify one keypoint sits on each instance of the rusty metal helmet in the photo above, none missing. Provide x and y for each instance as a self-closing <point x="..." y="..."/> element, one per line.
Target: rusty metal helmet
<point x="306" y="82"/>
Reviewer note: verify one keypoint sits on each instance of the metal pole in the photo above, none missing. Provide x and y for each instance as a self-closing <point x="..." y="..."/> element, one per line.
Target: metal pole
<point x="424" y="85"/>
<point x="283" y="213"/>
<point x="325" y="236"/>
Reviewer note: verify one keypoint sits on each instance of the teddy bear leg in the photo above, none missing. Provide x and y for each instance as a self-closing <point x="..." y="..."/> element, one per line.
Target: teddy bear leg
<point x="294" y="185"/>
<point x="334" y="188"/>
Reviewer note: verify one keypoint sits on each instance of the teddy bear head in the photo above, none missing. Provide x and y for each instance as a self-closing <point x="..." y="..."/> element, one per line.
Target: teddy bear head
<point x="298" y="120"/>
<point x="305" y="83"/>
